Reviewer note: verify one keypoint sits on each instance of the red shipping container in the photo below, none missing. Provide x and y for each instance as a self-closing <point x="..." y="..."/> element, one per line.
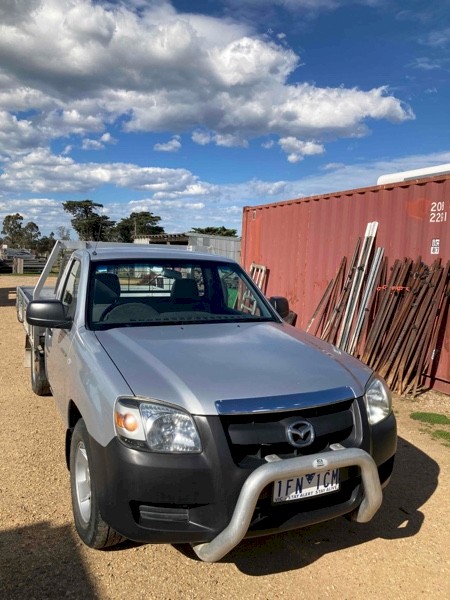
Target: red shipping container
<point x="302" y="241"/>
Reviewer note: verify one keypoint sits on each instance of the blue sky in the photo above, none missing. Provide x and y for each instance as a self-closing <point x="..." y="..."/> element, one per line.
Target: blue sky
<point x="192" y="110"/>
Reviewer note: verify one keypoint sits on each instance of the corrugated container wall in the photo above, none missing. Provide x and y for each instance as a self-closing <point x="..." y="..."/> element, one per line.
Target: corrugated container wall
<point x="302" y="241"/>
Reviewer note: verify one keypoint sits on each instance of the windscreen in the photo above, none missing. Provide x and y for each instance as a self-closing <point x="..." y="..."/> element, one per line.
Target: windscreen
<point x="172" y="292"/>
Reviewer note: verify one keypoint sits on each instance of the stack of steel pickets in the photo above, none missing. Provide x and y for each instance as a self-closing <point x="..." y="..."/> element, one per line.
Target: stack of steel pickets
<point x="393" y="320"/>
<point x="331" y="325"/>
<point x="372" y="307"/>
<point x="429" y="324"/>
<point x="343" y="339"/>
<point x="367" y="293"/>
<point x="328" y="300"/>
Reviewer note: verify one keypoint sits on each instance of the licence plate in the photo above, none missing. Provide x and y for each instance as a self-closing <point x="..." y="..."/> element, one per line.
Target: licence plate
<point x="306" y="486"/>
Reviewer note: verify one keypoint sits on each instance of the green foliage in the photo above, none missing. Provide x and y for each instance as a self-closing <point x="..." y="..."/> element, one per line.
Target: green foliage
<point x="136" y="225"/>
<point x="62" y="233"/>
<point x="12" y="229"/>
<point x="30" y="235"/>
<point x="441" y="434"/>
<point x="19" y="236"/>
<point x="45" y="244"/>
<point x="223" y="231"/>
<point x="88" y="224"/>
<point x="431" y="418"/>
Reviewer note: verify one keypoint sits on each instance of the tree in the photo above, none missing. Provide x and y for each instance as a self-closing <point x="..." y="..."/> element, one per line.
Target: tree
<point x="223" y="231"/>
<point x="136" y="225"/>
<point x="62" y="233"/>
<point x="88" y="224"/>
<point x="12" y="229"/>
<point x="30" y="235"/>
<point x="18" y="236"/>
<point x="45" y="244"/>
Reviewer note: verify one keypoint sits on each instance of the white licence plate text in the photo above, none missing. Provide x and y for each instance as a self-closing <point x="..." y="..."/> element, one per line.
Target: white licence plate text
<point x="306" y="486"/>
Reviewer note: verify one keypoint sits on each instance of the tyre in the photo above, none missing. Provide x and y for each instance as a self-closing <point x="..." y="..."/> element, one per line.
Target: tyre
<point x="90" y="526"/>
<point x="39" y="381"/>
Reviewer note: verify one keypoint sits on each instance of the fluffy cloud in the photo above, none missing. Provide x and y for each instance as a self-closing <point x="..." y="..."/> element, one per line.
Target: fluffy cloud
<point x="45" y="212"/>
<point x="17" y="135"/>
<point x="41" y="170"/>
<point x="172" y="145"/>
<point x="75" y="73"/>
<point x="78" y="66"/>
<point x="181" y="208"/>
<point x="427" y="64"/>
<point x="297" y="149"/>
<point x="439" y="38"/>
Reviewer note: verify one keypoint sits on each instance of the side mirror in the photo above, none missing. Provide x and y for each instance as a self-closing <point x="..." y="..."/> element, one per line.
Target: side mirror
<point x="281" y="305"/>
<point x="48" y="313"/>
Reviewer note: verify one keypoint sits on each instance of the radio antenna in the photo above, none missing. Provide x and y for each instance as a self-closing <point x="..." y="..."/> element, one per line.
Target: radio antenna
<point x="99" y="233"/>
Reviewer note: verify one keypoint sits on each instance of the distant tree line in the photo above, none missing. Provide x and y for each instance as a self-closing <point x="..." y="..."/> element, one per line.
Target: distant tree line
<point x="89" y="225"/>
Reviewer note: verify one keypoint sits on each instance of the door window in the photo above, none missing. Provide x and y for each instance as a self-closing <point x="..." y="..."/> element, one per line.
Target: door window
<point x="70" y="291"/>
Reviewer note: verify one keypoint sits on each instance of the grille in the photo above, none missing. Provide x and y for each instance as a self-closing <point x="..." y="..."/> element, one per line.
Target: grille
<point x="253" y="437"/>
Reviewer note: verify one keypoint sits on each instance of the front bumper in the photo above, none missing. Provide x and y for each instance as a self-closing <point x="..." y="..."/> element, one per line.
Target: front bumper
<point x="284" y="469"/>
<point x="162" y="498"/>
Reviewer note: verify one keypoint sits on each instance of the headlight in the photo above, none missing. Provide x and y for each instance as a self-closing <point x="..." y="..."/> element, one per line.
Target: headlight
<point x="156" y="427"/>
<point x="378" y="400"/>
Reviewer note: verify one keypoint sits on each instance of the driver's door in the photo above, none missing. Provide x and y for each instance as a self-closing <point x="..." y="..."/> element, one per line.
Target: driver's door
<point x="58" y="341"/>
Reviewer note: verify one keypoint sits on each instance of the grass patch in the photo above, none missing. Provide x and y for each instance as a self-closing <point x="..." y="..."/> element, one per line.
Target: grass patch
<point x="440" y="434"/>
<point x="430" y="418"/>
<point x="431" y="422"/>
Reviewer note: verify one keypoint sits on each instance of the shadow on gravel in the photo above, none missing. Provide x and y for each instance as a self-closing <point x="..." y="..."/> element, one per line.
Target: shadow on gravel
<point x="7" y="296"/>
<point x="41" y="561"/>
<point x="414" y="480"/>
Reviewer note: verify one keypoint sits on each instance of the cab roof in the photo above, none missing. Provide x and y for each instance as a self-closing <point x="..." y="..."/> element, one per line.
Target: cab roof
<point x="114" y="251"/>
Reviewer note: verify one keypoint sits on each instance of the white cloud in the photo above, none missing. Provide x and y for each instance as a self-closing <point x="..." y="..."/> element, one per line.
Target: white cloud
<point x="228" y="140"/>
<point x="201" y="137"/>
<point x="92" y="145"/>
<point x="45" y="212"/>
<point x="291" y="5"/>
<point x="80" y="66"/>
<point x="269" y="188"/>
<point x="142" y="205"/>
<point x="439" y="38"/>
<point x="17" y="135"/>
<point x="298" y="149"/>
<point x="249" y="61"/>
<point x="41" y="171"/>
<point x="172" y="145"/>
<point x="182" y="200"/>
<point x="427" y="64"/>
<point x="107" y="138"/>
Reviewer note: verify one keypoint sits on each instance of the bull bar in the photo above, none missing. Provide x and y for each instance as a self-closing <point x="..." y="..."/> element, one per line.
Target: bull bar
<point x="235" y="531"/>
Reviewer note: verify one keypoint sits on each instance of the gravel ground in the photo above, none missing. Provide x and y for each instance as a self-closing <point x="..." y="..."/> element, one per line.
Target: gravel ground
<point x="402" y="553"/>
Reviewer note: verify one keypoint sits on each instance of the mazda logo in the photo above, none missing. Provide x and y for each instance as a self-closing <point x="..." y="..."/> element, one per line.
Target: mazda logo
<point x="300" y="434"/>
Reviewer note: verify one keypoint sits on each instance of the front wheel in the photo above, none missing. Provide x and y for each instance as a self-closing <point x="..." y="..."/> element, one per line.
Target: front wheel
<point x="90" y="526"/>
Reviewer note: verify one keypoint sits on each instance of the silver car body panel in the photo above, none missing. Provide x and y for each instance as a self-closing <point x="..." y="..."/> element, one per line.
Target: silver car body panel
<point x="202" y="368"/>
<point x="264" y="366"/>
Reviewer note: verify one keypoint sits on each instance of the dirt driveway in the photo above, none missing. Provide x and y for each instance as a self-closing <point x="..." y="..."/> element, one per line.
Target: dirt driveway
<point x="403" y="553"/>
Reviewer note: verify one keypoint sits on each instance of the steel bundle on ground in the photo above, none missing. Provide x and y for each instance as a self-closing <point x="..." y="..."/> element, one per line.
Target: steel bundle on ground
<point x="393" y="319"/>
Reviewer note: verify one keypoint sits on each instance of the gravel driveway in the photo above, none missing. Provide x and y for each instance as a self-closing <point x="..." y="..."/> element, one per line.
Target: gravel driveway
<point x="404" y="552"/>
